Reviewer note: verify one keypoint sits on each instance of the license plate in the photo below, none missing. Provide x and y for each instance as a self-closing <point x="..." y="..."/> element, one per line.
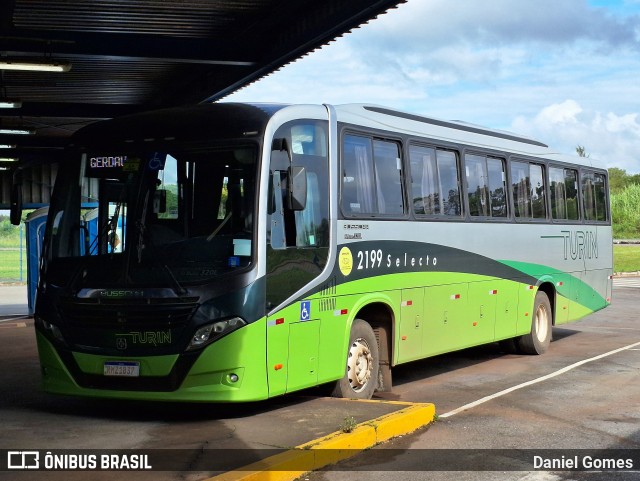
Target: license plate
<point x="122" y="368"/>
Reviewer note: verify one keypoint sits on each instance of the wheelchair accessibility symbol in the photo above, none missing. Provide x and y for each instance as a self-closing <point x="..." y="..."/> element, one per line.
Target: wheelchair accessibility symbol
<point x="305" y="310"/>
<point x="157" y="161"/>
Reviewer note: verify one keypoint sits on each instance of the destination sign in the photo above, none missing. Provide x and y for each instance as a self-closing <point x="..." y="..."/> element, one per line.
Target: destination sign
<point x="110" y="166"/>
<point x="107" y="162"/>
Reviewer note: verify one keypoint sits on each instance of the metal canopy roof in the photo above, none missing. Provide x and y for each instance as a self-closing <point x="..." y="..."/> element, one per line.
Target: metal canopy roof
<point x="133" y="55"/>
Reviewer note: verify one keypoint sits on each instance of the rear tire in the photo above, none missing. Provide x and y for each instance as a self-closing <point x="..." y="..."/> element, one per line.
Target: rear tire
<point x="361" y="374"/>
<point x="539" y="338"/>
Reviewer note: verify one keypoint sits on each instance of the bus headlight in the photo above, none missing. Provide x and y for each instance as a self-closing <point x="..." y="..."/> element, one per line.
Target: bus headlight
<point x="51" y="329"/>
<point x="214" y="331"/>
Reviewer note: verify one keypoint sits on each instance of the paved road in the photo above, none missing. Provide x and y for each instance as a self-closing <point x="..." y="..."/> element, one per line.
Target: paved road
<point x="584" y="393"/>
<point x="13" y="301"/>
<point x="630" y="282"/>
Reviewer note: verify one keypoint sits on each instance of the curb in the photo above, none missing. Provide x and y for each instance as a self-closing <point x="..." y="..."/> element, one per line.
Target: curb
<point x="334" y="447"/>
<point x="620" y="275"/>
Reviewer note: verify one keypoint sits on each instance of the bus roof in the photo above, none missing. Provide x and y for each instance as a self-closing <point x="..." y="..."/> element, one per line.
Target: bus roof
<point x="451" y="131"/>
<point x="240" y="119"/>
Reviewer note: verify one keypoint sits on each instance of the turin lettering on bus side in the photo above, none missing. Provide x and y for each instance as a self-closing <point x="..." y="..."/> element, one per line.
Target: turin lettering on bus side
<point x="580" y="244"/>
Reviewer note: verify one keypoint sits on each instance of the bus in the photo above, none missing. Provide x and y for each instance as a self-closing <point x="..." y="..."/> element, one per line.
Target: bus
<point x="236" y="252"/>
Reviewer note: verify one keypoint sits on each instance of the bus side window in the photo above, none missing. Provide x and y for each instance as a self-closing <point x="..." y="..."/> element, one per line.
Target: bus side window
<point x="538" y="192"/>
<point x="558" y="193"/>
<point x="594" y="197"/>
<point x="497" y="187"/>
<point x="486" y="186"/>
<point x="477" y="185"/>
<point x="425" y="189"/>
<point x="520" y="188"/>
<point x="571" y="190"/>
<point x="451" y="200"/>
<point x="564" y="193"/>
<point x="388" y="174"/>
<point x="372" y="177"/>
<point x="601" y="198"/>
<point x="358" y="179"/>
<point x="529" y="190"/>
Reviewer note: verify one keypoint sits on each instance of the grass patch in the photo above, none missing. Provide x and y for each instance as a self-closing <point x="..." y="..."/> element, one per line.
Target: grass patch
<point x="10" y="265"/>
<point x="12" y="241"/>
<point x="626" y="258"/>
<point x="348" y="424"/>
<point x="625" y="212"/>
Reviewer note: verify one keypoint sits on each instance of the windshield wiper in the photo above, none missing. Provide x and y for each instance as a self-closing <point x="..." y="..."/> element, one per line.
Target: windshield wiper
<point x="144" y="232"/>
<point x="177" y="287"/>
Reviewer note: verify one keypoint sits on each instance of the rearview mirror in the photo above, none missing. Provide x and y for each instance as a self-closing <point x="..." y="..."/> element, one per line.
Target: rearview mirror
<point x="160" y="201"/>
<point x="15" y="212"/>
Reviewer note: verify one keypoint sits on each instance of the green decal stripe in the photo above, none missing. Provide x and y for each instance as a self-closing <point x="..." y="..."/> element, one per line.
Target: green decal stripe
<point x="409" y="280"/>
<point x="579" y="311"/>
<point x="572" y="288"/>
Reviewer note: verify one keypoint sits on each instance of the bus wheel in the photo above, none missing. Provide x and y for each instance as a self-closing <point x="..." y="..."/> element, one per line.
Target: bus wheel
<point x="538" y="340"/>
<point x="361" y="376"/>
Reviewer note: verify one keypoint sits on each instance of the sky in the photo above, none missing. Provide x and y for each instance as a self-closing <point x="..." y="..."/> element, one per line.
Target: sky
<point x="566" y="72"/>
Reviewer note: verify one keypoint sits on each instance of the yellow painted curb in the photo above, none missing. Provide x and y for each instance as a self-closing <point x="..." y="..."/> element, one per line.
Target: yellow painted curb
<point x="403" y="421"/>
<point x="334" y="447"/>
<point x="13" y="325"/>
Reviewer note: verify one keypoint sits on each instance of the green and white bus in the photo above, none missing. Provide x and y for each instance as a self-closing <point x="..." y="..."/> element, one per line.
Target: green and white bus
<point x="236" y="252"/>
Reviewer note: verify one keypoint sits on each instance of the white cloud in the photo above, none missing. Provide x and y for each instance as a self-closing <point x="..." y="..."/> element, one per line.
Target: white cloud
<point x="559" y="114"/>
<point x="565" y="72"/>
<point x="498" y="22"/>
<point x="609" y="138"/>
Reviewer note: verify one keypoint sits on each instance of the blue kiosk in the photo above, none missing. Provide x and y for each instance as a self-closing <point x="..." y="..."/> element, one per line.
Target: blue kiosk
<point x="35" y="224"/>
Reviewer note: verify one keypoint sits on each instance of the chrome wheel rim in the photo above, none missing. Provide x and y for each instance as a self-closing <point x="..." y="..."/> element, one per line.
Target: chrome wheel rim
<point x="359" y="365"/>
<point x="542" y="323"/>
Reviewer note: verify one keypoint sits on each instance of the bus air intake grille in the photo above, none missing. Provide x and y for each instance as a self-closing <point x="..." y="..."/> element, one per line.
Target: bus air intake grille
<point x="113" y="314"/>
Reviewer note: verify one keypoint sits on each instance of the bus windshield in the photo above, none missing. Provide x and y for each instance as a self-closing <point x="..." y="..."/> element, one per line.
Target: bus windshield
<point x="153" y="218"/>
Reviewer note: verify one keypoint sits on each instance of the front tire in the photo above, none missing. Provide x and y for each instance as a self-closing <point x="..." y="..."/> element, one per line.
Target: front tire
<point x="361" y="374"/>
<point x="538" y="340"/>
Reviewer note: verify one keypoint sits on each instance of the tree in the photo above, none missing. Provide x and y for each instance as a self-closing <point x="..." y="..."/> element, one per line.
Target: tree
<point x="582" y="152"/>
<point x="6" y="229"/>
<point x="618" y="179"/>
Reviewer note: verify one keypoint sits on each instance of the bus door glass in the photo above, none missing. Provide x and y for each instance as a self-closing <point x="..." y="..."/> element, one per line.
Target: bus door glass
<point x="297" y="250"/>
